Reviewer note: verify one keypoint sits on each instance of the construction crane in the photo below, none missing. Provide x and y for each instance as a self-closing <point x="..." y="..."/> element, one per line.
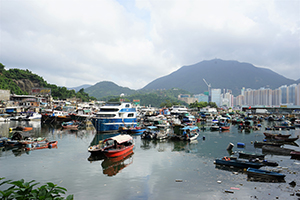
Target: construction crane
<point x="208" y="87"/>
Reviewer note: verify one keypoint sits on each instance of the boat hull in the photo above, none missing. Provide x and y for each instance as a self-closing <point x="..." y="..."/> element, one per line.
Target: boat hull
<point x="238" y="163"/>
<point x="112" y="124"/>
<point x="264" y="175"/>
<point x="111" y="153"/>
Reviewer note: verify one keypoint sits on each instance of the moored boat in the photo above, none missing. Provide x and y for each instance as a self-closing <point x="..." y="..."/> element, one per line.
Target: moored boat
<point x="271" y="135"/>
<point x="251" y="155"/>
<point x="264" y="175"/>
<point x="295" y="155"/>
<point x="114" y="115"/>
<point x="230" y="161"/>
<point x="258" y="144"/>
<point x="40" y="145"/>
<point x="276" y="150"/>
<point x="114" y="146"/>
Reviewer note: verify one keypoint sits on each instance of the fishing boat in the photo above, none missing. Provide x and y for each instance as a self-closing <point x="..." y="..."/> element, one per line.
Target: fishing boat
<point x="137" y="130"/>
<point x="70" y="125"/>
<point x="150" y="132"/>
<point x="224" y="126"/>
<point x="20" y="128"/>
<point x="232" y="161"/>
<point x="191" y="133"/>
<point x="215" y="127"/>
<point x="295" y="155"/>
<point x="284" y="139"/>
<point x="258" y="144"/>
<point x="276" y="150"/>
<point x="264" y="175"/>
<point x="271" y="135"/>
<point x="39" y="145"/>
<point x="114" y="146"/>
<point x="114" y="115"/>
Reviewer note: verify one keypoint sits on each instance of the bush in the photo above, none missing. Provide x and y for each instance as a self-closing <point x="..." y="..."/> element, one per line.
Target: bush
<point x="21" y="190"/>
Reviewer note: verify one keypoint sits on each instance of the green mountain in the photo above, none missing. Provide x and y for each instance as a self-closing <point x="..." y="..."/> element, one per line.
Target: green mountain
<point x="221" y="74"/>
<point x="22" y="81"/>
<point x="107" y="88"/>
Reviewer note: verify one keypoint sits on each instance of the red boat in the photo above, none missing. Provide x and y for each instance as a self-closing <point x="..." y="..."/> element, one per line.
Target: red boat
<point x="39" y="145"/>
<point x="117" y="145"/>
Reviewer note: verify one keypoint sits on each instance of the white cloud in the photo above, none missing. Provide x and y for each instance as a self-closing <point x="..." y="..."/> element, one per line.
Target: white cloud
<point x="134" y="42"/>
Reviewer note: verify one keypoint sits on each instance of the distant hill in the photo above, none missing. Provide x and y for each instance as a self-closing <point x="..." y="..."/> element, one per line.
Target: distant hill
<point x="80" y="87"/>
<point x="107" y="88"/>
<point x="221" y="74"/>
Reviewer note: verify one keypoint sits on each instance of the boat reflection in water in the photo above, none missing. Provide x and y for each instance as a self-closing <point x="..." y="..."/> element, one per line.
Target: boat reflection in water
<point x="112" y="166"/>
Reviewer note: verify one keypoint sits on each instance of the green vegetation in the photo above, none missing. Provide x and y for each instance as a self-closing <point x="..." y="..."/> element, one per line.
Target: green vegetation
<point x="203" y="104"/>
<point x="157" y="98"/>
<point x="21" y="190"/>
<point x="7" y="83"/>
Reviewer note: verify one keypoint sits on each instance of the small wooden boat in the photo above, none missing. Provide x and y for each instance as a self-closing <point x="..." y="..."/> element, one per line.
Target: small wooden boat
<point x="32" y="140"/>
<point x="276" y="150"/>
<point x="264" y="175"/>
<point x="258" y="144"/>
<point x="21" y="128"/>
<point x="114" y="146"/>
<point x="190" y="133"/>
<point x="231" y="161"/>
<point x="284" y="139"/>
<point x="271" y="135"/>
<point x="138" y="130"/>
<point x="295" y="155"/>
<point x="251" y="155"/>
<point x="150" y="132"/>
<point x="121" y="145"/>
<point x="40" y="145"/>
<point x="264" y="162"/>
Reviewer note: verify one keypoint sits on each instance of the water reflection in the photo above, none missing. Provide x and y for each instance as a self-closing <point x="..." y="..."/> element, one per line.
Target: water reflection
<point x="112" y="166"/>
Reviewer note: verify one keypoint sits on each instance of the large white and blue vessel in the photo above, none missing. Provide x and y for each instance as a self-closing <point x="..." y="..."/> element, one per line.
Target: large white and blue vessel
<point x="113" y="115"/>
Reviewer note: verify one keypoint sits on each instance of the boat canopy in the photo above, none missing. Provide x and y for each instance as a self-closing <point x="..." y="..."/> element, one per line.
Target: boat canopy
<point x="120" y="138"/>
<point x="151" y="127"/>
<point x="191" y="128"/>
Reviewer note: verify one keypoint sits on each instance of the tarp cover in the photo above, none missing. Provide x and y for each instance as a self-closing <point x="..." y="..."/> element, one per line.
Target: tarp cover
<point x="121" y="138"/>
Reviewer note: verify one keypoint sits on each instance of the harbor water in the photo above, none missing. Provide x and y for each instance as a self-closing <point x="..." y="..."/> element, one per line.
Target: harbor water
<point x="155" y="170"/>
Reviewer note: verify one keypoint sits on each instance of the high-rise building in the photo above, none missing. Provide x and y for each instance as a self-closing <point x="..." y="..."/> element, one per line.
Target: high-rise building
<point x="298" y="95"/>
<point x="216" y="96"/>
<point x="291" y="94"/>
<point x="284" y="93"/>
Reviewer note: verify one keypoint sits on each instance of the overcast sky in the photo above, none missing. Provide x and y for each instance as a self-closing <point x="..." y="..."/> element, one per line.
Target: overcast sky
<point x="131" y="43"/>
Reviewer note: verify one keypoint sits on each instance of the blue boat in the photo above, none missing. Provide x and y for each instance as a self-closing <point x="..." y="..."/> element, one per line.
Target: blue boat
<point x="114" y="115"/>
<point x="233" y="161"/>
<point x="264" y="175"/>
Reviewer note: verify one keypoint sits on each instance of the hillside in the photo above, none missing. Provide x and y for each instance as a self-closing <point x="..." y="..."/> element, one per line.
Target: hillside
<point x="221" y="74"/>
<point x="107" y="88"/>
<point x="22" y="81"/>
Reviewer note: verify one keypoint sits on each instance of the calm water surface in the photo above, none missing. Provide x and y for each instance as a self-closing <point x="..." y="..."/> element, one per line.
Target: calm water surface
<point x="156" y="170"/>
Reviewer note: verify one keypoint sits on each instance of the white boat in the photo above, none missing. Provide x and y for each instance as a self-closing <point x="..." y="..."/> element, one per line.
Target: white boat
<point x="113" y="115"/>
<point x="34" y="116"/>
